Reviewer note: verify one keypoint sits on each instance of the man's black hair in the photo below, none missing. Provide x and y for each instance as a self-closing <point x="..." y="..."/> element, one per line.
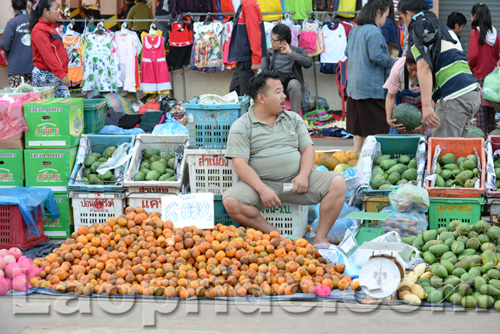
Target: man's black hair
<point x="19" y="5"/>
<point x="456" y="18"/>
<point x="410" y="60"/>
<point x="258" y="84"/>
<point x="284" y="33"/>
<point x="415" y="6"/>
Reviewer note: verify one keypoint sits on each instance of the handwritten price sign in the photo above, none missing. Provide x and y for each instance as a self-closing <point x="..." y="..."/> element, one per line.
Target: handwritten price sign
<point x="186" y="210"/>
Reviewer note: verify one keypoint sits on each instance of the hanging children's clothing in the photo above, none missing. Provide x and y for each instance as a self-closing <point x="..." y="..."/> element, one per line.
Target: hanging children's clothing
<point x="155" y="77"/>
<point x="270" y="6"/>
<point x="206" y="55"/>
<point x="101" y="70"/>
<point x="73" y="45"/>
<point x="129" y="49"/>
<point x="299" y="7"/>
<point x="180" y="41"/>
<point x="228" y="29"/>
<point x="311" y="38"/>
<point x="335" y="35"/>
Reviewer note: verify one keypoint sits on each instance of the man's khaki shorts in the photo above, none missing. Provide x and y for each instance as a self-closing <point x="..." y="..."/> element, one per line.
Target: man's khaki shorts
<point x="319" y="182"/>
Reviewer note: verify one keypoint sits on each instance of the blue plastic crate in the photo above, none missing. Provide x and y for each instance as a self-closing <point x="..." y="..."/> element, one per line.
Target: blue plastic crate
<point x="98" y="143"/>
<point x="220" y="214"/>
<point x="209" y="124"/>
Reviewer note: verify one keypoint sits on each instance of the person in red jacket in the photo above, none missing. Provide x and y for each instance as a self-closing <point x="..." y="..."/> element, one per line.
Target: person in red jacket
<point x="50" y="59"/>
<point x="484" y="56"/>
<point x="247" y="46"/>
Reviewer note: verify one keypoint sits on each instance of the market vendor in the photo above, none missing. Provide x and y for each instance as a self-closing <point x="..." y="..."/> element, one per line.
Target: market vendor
<point x="270" y="147"/>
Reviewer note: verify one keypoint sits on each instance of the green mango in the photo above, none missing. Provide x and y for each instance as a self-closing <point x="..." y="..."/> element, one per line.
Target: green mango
<point x="485" y="301"/>
<point x="453" y="280"/>
<point x="468" y="302"/>
<point x="440" y="271"/>
<point x="451" y="166"/>
<point x="447" y="158"/>
<point x="381" y="158"/>
<point x="439" y="250"/>
<point x="404" y="159"/>
<point x="413" y="163"/>
<point x="445" y="174"/>
<point x="435" y="297"/>
<point x="429" y="235"/>
<point x="490" y="290"/>
<point x="465" y="289"/>
<point x="456" y="298"/>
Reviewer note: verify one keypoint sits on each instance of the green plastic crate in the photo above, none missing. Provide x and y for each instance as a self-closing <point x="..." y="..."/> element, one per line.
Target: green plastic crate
<point x="94" y="114"/>
<point x="220" y="214"/>
<point x="443" y="210"/>
<point x="395" y="146"/>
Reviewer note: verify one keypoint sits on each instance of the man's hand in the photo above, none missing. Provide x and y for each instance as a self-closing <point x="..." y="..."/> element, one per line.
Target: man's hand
<point x="285" y="48"/>
<point x="301" y="184"/>
<point x="430" y="118"/>
<point x="392" y="123"/>
<point x="65" y="81"/>
<point x="269" y="198"/>
<point x="255" y="68"/>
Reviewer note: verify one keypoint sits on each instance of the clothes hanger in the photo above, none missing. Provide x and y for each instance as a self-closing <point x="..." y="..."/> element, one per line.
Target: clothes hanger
<point x="100" y="28"/>
<point x="69" y="29"/>
<point x="153" y="29"/>
<point x="124" y="30"/>
<point x="208" y="19"/>
<point x="334" y="18"/>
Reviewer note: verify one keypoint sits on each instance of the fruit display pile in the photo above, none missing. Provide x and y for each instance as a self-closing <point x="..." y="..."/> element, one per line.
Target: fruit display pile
<point x="93" y="161"/>
<point x="463" y="265"/>
<point x="336" y="161"/>
<point x="140" y="254"/>
<point x="156" y="167"/>
<point x="387" y="172"/>
<point x="458" y="173"/>
<point x="15" y="271"/>
<point x="497" y="172"/>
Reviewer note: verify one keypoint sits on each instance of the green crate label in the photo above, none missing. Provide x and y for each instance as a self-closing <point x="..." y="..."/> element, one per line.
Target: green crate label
<point x="381" y="206"/>
<point x="453" y="208"/>
<point x="214" y="116"/>
<point x="47" y="175"/>
<point x="148" y="203"/>
<point x="8" y="155"/>
<point x="6" y="175"/>
<point x="47" y="155"/>
<point x="47" y="130"/>
<point x="154" y="190"/>
<point x="78" y="122"/>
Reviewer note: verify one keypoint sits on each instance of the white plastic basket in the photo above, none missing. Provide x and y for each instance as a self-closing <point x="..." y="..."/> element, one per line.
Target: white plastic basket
<point x="151" y="202"/>
<point x="163" y="143"/>
<point x="289" y="219"/>
<point x="210" y="171"/>
<point x="90" y="208"/>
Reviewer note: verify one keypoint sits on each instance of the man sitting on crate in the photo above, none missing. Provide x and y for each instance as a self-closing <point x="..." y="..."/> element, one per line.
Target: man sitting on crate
<point x="271" y="147"/>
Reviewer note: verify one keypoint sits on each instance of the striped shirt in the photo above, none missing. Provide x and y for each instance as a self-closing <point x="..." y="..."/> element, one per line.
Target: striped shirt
<point x="273" y="152"/>
<point x="453" y="74"/>
<point x="368" y="64"/>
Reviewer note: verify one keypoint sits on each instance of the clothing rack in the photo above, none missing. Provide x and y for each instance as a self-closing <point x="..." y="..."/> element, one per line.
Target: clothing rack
<point x="314" y="62"/>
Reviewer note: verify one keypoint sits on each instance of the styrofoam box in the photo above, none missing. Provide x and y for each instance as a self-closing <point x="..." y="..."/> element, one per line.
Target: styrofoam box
<point x="163" y="143"/>
<point x="90" y="208"/>
<point x="210" y="171"/>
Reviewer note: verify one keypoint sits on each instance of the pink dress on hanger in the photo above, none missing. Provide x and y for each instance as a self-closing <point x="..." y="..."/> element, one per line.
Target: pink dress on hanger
<point x="154" y="68"/>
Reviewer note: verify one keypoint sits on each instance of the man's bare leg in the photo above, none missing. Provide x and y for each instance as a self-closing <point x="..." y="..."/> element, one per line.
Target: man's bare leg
<point x="248" y="216"/>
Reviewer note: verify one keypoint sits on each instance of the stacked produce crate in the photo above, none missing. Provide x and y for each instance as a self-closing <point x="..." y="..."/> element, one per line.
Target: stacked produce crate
<point x="458" y="191"/>
<point x="398" y="151"/>
<point x="157" y="169"/>
<point x="99" y="196"/>
<point x="95" y="114"/>
<point x="55" y="126"/>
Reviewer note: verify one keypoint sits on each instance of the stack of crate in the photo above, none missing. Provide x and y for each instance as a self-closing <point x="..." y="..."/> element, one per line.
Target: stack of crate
<point x="55" y="127"/>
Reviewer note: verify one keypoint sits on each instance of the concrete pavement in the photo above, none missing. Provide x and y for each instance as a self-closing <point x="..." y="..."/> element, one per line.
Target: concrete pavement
<point x="39" y="314"/>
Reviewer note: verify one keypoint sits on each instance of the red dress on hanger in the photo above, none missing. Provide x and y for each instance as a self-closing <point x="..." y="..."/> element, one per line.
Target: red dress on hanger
<point x="154" y="69"/>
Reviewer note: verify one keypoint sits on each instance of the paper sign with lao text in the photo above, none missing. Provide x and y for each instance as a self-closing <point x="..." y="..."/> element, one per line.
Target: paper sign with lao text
<point x="191" y="209"/>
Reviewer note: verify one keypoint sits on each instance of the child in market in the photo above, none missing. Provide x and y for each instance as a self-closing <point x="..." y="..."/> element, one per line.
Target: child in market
<point x="50" y="59"/>
<point x="402" y="88"/>
<point x="393" y="50"/>
<point x="15" y="41"/>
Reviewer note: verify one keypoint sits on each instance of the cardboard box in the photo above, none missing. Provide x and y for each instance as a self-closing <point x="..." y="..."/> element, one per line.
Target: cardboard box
<point x="14" y="142"/>
<point x="49" y="168"/>
<point x="11" y="168"/>
<point x="54" y="123"/>
<point x="59" y="228"/>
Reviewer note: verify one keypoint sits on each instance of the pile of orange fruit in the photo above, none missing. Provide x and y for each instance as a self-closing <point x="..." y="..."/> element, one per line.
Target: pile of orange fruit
<point x="140" y="254"/>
